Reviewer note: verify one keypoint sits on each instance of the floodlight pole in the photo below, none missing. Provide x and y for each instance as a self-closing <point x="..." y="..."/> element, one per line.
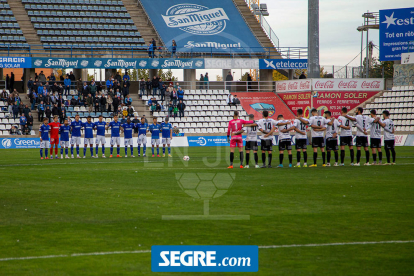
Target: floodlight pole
<point x="313" y="39"/>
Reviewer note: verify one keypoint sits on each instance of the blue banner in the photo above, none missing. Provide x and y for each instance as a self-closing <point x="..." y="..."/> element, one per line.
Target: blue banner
<point x="215" y="141"/>
<point x="15" y="62"/>
<point x="283" y="64"/>
<point x="205" y="258"/>
<point x="201" y="26"/>
<point x="19" y="143"/>
<point x="396" y="33"/>
<point x="117" y="63"/>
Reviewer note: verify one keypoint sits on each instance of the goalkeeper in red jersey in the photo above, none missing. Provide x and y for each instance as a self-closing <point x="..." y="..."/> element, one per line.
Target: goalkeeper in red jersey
<point x="54" y="136"/>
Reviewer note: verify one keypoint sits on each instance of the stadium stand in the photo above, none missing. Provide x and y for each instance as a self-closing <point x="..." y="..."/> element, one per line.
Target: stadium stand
<point x="400" y="103"/>
<point x="11" y="36"/>
<point x="206" y="112"/>
<point x="83" y="24"/>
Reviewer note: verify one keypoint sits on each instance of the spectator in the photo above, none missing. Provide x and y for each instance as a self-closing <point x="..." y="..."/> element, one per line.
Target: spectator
<point x="302" y="76"/>
<point x="48" y="113"/>
<point x="46" y="100"/>
<point x="85" y="90"/>
<point x="8" y="82"/>
<point x="125" y="90"/>
<point x="13" y="130"/>
<point x="40" y="89"/>
<point x="229" y="100"/>
<point x="79" y="87"/>
<point x="26" y="111"/>
<point x="97" y="103"/>
<point x="23" y="123"/>
<point x="62" y="78"/>
<point x="30" y="84"/>
<point x="4" y="95"/>
<point x="118" y="77"/>
<point x="169" y="89"/>
<point x="42" y="77"/>
<point x="149" y="86"/>
<point x="163" y="89"/>
<point x="115" y="103"/>
<point x="181" y="108"/>
<point x="30" y="122"/>
<point x="89" y="102"/>
<point x="111" y="93"/>
<point x="109" y="102"/>
<point x="135" y="121"/>
<point x="236" y="100"/>
<point x="52" y="79"/>
<point x="48" y="88"/>
<point x="15" y="110"/>
<point x="62" y="116"/>
<point x="158" y="107"/>
<point x="67" y="82"/>
<point x="201" y="82"/>
<point x="102" y="102"/>
<point x="99" y="88"/>
<point x="180" y="94"/>
<point x="229" y="80"/>
<point x="206" y="83"/>
<point x="115" y="85"/>
<point x="150" y="50"/>
<point x="149" y="103"/>
<point x="174" y="49"/>
<point x="173" y="97"/>
<point x="145" y="119"/>
<point x="126" y="77"/>
<point x="128" y="100"/>
<point x="33" y="98"/>
<point x="11" y="81"/>
<point x="130" y="111"/>
<point x="170" y="109"/>
<point x="175" y="111"/>
<point x="73" y="102"/>
<point x="141" y="88"/>
<point x="55" y="110"/>
<point x="40" y="99"/>
<point x="123" y="120"/>
<point x="21" y="108"/>
<point x="153" y="108"/>
<point x="72" y="76"/>
<point x="92" y="89"/>
<point x="155" y="84"/>
<point x="249" y="82"/>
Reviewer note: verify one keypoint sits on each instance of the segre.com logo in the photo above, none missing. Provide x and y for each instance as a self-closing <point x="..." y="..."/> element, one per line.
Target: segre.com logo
<point x="205" y="258"/>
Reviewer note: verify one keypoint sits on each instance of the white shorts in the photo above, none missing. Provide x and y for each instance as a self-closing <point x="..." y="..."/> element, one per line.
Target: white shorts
<point x="155" y="142"/>
<point x="166" y="141"/>
<point x="115" y="140"/>
<point x="100" y="139"/>
<point x="128" y="142"/>
<point x="88" y="141"/>
<point x="142" y="139"/>
<point x="44" y="144"/>
<point x="75" y="140"/>
<point x="64" y="144"/>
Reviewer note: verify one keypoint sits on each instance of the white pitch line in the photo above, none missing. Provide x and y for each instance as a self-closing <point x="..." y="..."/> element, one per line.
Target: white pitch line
<point x="149" y="251"/>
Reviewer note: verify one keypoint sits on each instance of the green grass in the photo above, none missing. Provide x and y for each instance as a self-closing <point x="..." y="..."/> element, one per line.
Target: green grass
<point x="54" y="207"/>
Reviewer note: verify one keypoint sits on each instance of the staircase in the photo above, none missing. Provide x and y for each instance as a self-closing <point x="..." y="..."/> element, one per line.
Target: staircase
<point x="25" y="24"/>
<point x="256" y="28"/>
<point x="141" y="21"/>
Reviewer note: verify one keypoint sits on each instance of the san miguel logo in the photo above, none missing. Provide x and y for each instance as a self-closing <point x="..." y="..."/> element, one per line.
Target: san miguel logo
<point x="260" y="107"/>
<point x="324" y="84"/>
<point x="196" y="19"/>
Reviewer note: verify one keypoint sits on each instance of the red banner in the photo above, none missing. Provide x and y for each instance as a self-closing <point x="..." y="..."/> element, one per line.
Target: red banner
<point x="332" y="101"/>
<point x="256" y="102"/>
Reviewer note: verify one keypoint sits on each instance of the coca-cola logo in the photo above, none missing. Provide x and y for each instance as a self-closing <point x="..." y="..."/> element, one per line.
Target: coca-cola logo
<point x="371" y="84"/>
<point x="348" y="84"/>
<point x="324" y="84"/>
<point x="305" y="85"/>
<point x="293" y="86"/>
<point x="281" y="86"/>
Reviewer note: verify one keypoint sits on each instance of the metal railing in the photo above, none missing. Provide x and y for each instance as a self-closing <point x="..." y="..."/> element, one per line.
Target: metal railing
<point x="269" y="31"/>
<point x="69" y="51"/>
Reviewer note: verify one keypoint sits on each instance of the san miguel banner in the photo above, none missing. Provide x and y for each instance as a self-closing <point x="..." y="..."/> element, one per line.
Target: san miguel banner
<point x="333" y="101"/>
<point x="256" y="102"/>
<point x="294" y="85"/>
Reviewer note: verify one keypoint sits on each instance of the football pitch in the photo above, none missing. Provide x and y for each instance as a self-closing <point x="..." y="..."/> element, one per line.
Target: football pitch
<point x="101" y="216"/>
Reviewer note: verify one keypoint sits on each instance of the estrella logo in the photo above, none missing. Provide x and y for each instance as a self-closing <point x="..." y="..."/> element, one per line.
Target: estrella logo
<point x="260" y="107"/>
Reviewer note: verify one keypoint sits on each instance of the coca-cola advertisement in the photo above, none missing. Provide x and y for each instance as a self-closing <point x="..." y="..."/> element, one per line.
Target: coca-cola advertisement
<point x="330" y="85"/>
<point x="293" y="85"/>
<point x="322" y="101"/>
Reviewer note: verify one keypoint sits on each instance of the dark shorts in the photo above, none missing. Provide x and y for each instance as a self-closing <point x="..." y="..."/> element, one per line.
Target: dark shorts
<point x="331" y="144"/>
<point x="375" y="143"/>
<point x="301" y="144"/>
<point x="389" y="144"/>
<point x="361" y="141"/>
<point x="285" y="144"/>
<point x="346" y="141"/>
<point x="251" y="145"/>
<point x="318" y="142"/>
<point x="266" y="145"/>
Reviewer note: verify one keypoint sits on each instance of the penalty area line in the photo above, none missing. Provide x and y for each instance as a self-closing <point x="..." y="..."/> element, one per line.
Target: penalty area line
<point x="149" y="251"/>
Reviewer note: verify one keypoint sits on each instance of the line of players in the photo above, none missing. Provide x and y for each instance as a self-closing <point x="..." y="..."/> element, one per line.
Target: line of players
<point x="74" y="128"/>
<point x="341" y="127"/>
